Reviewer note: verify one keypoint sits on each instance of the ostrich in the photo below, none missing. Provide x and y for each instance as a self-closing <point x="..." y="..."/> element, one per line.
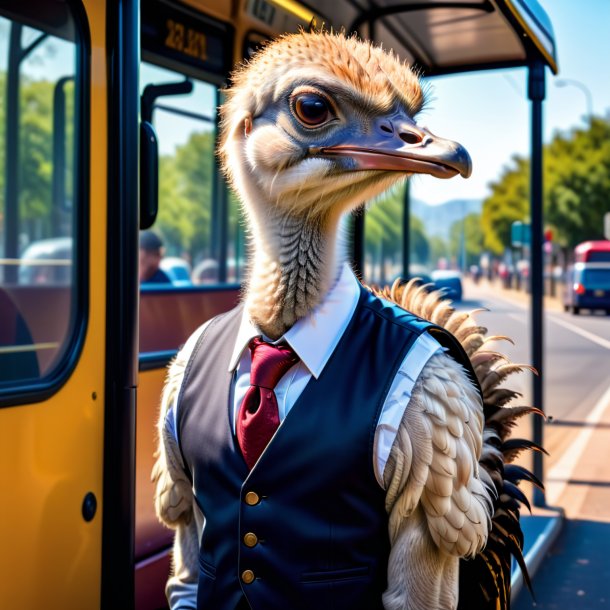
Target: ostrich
<point x="313" y="126"/>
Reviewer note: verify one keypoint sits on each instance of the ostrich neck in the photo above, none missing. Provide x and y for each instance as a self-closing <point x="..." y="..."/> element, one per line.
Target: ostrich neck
<point x="295" y="261"/>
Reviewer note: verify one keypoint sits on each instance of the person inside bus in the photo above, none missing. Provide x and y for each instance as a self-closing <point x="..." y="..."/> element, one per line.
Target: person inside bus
<point x="151" y="253"/>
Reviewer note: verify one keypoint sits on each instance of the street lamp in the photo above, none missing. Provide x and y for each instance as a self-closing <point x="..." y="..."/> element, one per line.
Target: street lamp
<point x="566" y="82"/>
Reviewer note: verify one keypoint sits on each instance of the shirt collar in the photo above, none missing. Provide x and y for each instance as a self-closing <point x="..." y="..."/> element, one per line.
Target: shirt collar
<point x="315" y="337"/>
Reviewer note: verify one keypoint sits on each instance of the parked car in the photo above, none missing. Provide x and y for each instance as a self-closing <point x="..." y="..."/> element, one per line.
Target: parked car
<point x="587" y="287"/>
<point x="47" y="262"/>
<point x="449" y="281"/>
<point x="178" y="270"/>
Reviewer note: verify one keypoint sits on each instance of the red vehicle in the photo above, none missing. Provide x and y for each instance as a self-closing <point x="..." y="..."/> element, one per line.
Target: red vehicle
<point x="597" y="251"/>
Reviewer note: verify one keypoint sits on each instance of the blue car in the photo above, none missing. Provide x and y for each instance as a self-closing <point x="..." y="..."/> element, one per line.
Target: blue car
<point x="450" y="282"/>
<point x="587" y="287"/>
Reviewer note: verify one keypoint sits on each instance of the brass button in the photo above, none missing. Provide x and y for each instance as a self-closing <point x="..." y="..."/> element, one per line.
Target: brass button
<point x="252" y="498"/>
<point x="250" y="539"/>
<point x="247" y="576"/>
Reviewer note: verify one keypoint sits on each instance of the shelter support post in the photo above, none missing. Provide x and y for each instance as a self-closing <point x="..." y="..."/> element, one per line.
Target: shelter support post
<point x="358" y="242"/>
<point x="536" y="94"/>
<point x="406" y="231"/>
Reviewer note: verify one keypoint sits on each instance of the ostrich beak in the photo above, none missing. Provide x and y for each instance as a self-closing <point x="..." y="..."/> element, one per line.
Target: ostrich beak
<point x="402" y="146"/>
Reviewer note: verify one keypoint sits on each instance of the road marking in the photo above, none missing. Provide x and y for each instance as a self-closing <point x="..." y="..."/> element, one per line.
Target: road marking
<point x="559" y="475"/>
<point x="569" y="326"/>
<point x="507" y="301"/>
<point x="579" y="331"/>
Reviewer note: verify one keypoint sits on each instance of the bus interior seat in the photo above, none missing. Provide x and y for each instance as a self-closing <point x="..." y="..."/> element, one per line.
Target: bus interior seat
<point x="15" y="365"/>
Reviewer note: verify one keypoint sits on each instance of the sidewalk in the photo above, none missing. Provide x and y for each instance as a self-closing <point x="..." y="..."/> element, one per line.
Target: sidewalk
<point x="518" y="296"/>
<point x="575" y="575"/>
<point x="540" y="531"/>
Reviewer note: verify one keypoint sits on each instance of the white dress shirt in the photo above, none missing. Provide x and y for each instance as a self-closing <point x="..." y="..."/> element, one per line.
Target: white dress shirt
<point x="313" y="339"/>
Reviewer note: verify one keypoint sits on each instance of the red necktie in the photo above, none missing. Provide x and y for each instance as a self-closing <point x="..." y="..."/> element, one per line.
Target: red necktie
<point x="258" y="416"/>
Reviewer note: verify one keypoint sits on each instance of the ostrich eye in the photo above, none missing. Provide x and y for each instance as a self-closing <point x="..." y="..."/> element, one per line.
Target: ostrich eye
<point x="311" y="109"/>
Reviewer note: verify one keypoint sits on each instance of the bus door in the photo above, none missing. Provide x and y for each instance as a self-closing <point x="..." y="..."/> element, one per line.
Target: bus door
<point x="51" y="309"/>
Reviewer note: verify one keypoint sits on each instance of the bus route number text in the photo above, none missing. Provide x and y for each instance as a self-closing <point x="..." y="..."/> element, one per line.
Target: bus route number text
<point x="185" y="40"/>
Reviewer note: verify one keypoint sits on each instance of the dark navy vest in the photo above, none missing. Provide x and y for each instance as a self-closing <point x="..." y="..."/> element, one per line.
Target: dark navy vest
<point x="306" y="529"/>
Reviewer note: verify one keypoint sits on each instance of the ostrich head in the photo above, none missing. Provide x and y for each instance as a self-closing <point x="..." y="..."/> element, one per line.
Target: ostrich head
<point x="314" y="126"/>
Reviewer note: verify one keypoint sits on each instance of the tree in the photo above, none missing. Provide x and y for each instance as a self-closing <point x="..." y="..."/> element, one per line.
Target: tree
<point x="419" y="247"/>
<point x="186" y="191"/>
<point x="383" y="235"/>
<point x="469" y="230"/>
<point x="439" y="249"/>
<point x="384" y="239"/>
<point x="185" y="197"/>
<point x="576" y="195"/>
<point x="38" y="219"/>
<point x="508" y="202"/>
<point x="577" y="183"/>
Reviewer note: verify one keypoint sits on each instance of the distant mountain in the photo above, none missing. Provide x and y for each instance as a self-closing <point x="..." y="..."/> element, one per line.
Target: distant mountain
<point x="438" y="219"/>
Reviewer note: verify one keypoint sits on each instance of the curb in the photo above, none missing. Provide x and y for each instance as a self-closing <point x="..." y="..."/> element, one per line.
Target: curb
<point x="538" y="550"/>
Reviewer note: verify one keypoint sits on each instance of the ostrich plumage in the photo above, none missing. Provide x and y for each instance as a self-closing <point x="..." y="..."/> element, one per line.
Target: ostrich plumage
<point x="315" y="125"/>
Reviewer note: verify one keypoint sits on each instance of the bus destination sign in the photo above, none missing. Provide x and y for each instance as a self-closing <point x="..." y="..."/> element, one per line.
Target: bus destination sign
<point x="182" y="35"/>
<point x="185" y="40"/>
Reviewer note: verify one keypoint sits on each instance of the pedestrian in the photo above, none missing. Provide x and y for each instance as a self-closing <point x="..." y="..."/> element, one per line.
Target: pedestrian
<point x="151" y="253"/>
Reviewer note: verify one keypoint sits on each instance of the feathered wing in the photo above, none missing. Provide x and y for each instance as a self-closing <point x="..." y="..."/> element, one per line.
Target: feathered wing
<point x="174" y="501"/>
<point x="447" y="521"/>
<point x="439" y="505"/>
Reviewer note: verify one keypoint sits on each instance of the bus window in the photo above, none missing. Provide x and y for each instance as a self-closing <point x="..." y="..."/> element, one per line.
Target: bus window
<point x="191" y="193"/>
<point x="38" y="193"/>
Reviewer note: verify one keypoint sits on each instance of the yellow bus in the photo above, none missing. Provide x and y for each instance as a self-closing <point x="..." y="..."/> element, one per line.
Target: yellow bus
<point x="108" y="122"/>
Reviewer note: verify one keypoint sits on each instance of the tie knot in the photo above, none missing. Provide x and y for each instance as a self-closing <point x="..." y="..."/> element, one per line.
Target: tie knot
<point x="269" y="362"/>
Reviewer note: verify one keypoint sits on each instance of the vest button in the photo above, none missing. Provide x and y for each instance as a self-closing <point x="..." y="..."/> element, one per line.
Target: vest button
<point x="250" y="539"/>
<point x="252" y="498"/>
<point x="247" y="576"/>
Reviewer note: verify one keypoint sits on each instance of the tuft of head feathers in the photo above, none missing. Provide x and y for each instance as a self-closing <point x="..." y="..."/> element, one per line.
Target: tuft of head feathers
<point x="374" y="75"/>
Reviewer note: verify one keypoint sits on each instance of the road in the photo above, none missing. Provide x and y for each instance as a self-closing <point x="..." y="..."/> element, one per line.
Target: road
<point x="576" y="388"/>
<point x="575" y="575"/>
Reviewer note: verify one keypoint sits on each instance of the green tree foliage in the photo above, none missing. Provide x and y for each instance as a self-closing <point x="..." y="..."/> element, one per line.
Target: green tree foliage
<point x="507" y="203"/>
<point x="419" y="246"/>
<point x="186" y="192"/>
<point x="35" y="154"/>
<point x="185" y="204"/>
<point x="469" y="230"/>
<point x="576" y="189"/>
<point x="39" y="218"/>
<point x="185" y="197"/>
<point x="577" y="183"/>
<point x="439" y="249"/>
<point x="383" y="235"/>
<point x="384" y="222"/>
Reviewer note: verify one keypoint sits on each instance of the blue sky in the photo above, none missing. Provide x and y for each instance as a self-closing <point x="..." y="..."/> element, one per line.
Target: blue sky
<point x="489" y="113"/>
